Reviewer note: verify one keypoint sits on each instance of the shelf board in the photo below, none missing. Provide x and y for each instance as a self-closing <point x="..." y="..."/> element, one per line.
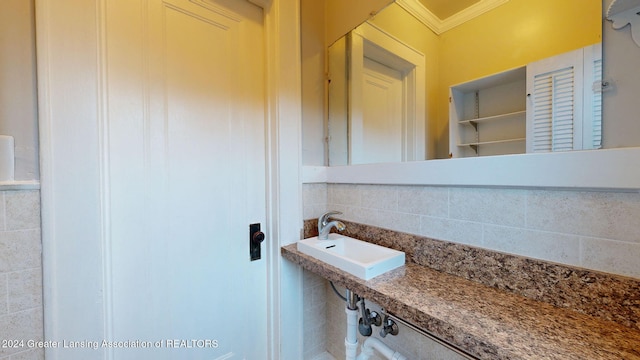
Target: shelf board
<point x="473" y="122"/>
<point x="515" y="74"/>
<point x="472" y="144"/>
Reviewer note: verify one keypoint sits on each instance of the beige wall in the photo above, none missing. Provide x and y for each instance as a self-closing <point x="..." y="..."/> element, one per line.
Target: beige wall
<point x="18" y="97"/>
<point x="343" y="16"/>
<point x="313" y="49"/>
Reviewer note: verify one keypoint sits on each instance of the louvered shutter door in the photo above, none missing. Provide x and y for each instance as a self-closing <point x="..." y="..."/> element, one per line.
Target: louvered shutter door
<point x="554" y="87"/>
<point x="563" y="109"/>
<point x="596" y="107"/>
<point x="553" y="110"/>
<point x="542" y="110"/>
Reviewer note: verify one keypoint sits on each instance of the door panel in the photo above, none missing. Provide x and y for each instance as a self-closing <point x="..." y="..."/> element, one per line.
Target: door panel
<point x="380" y="132"/>
<point x="187" y="179"/>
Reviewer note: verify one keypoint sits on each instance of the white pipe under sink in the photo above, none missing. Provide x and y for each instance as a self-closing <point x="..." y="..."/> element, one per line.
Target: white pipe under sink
<point x="351" y="341"/>
<point x="372" y="344"/>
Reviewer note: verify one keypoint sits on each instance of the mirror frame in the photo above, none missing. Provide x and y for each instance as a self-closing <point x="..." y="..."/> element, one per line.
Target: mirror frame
<point x="604" y="169"/>
<point x="609" y="169"/>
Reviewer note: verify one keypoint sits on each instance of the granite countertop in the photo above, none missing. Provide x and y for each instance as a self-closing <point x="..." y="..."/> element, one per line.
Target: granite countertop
<point x="486" y="322"/>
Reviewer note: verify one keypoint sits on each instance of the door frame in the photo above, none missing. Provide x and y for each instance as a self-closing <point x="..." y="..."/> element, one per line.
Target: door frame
<point x="75" y="173"/>
<point x="369" y="40"/>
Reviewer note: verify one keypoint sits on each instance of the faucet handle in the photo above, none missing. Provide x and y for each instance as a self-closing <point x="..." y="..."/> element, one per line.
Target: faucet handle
<point x="325" y="217"/>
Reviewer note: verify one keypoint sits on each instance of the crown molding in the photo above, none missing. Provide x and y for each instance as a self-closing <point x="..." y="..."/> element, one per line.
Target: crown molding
<point x="438" y="26"/>
<point x="261" y="3"/>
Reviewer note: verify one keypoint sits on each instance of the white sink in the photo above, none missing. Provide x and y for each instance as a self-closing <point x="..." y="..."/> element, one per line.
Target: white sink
<point x="360" y="258"/>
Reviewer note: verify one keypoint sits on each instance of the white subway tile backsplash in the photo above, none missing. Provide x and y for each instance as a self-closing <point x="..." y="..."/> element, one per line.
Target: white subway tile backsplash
<point x="25" y="325"/>
<point x="33" y="354"/>
<point x="20" y="250"/>
<point x="611" y="256"/>
<point x="314" y="211"/>
<point x="597" y="214"/>
<point x="463" y="232"/>
<point x="20" y="272"/>
<point x="554" y="247"/>
<point x="314" y="316"/>
<point x="431" y="201"/>
<point x="491" y="206"/>
<point x="343" y="194"/>
<point x="381" y="197"/>
<point x="4" y="293"/>
<point x="314" y="197"/>
<point x="544" y="224"/>
<point x="22" y="210"/>
<point x="3" y="217"/>
<point x="315" y="194"/>
<point x="25" y="290"/>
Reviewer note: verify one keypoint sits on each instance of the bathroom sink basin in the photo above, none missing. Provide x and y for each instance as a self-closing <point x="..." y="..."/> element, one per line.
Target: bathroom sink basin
<point x="360" y="258"/>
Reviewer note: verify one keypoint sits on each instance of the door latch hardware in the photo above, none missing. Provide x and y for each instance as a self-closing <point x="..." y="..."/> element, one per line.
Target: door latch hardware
<point x="256" y="237"/>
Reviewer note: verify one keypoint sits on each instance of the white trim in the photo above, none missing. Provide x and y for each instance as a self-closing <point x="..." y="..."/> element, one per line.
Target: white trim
<point x="102" y="116"/>
<point x="19" y="185"/>
<point x="284" y="185"/>
<point x="70" y="206"/>
<point x="314" y="174"/>
<point x="608" y="169"/>
<point x="439" y="26"/>
<point x="368" y="40"/>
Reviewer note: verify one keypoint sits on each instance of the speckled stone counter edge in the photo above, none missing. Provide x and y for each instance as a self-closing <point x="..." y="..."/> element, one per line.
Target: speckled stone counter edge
<point x="486" y="322"/>
<point x="605" y="296"/>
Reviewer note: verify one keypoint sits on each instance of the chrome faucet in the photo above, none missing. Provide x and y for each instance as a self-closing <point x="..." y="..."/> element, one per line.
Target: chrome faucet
<point x="324" y="225"/>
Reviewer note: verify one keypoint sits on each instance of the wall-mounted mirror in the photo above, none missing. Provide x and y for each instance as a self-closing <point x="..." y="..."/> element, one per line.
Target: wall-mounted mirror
<point x="476" y="40"/>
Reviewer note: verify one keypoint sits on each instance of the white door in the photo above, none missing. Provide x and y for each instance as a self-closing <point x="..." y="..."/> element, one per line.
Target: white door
<point x="378" y="136"/>
<point x="386" y="79"/>
<point x="187" y="178"/>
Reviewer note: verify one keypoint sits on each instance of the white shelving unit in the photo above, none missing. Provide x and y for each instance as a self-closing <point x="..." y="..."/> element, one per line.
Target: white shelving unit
<point x="487" y="116"/>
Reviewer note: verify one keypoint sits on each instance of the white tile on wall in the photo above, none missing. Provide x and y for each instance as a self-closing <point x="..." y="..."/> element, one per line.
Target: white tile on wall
<point x="555" y="247"/>
<point x="421" y="200"/>
<point x="344" y="194"/>
<point x="409" y="223"/>
<point x="21" y="312"/>
<point x="33" y="354"/>
<point x="604" y="255"/>
<point x="20" y="250"/>
<point x="459" y="231"/>
<point x="25" y="325"/>
<point x="597" y="214"/>
<point x="491" y="206"/>
<point x="314" y="316"/>
<point x="542" y="224"/>
<point x="4" y="293"/>
<point x="3" y="217"/>
<point x="25" y="290"/>
<point x="314" y="197"/>
<point x="381" y="197"/>
<point x="22" y="209"/>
